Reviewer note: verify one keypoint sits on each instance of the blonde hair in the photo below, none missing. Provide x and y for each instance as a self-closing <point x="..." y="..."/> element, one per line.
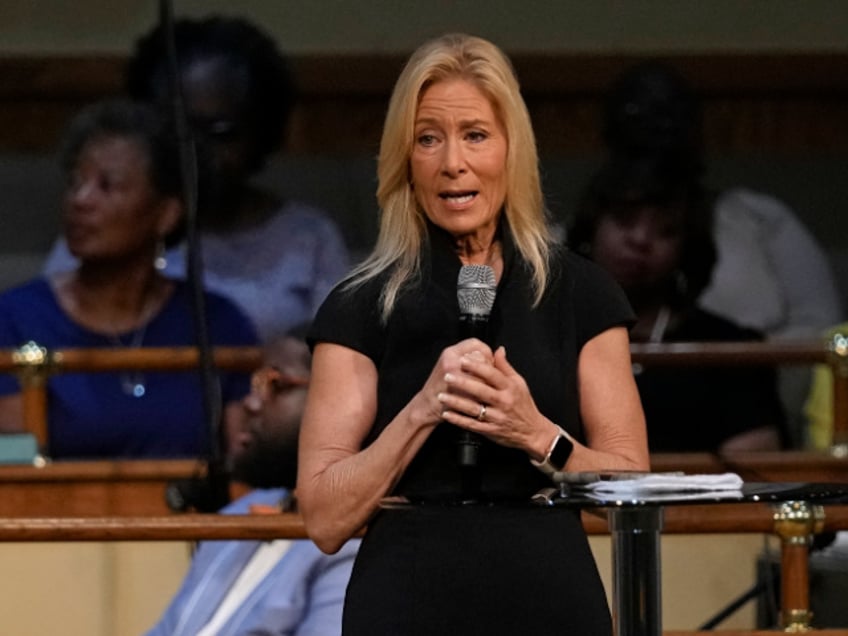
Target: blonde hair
<point x="402" y="222"/>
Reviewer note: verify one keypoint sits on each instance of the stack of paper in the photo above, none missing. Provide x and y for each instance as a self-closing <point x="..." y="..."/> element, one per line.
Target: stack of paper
<point x="669" y="486"/>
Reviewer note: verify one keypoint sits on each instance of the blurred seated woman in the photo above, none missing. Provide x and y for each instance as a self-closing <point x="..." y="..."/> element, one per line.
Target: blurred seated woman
<point x="120" y="204"/>
<point x="275" y="257"/>
<point x="649" y="224"/>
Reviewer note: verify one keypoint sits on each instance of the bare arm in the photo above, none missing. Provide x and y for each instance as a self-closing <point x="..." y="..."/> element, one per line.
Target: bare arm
<point x="616" y="434"/>
<point x="616" y="438"/>
<point x="340" y="484"/>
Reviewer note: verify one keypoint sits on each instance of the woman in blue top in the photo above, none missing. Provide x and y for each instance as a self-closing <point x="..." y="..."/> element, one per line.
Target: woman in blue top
<point x="276" y="257"/>
<point x="121" y="202"/>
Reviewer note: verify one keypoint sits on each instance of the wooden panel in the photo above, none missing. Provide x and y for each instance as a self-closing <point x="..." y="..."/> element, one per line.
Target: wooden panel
<point x="695" y="519"/>
<point x="780" y="466"/>
<point x="782" y="102"/>
<point x="137" y="488"/>
<point x="90" y="488"/>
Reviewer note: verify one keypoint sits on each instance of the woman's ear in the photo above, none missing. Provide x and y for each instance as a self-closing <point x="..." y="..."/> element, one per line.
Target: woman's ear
<point x="170" y="216"/>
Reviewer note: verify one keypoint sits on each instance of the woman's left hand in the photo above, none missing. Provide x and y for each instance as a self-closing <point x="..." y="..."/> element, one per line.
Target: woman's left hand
<point x="492" y="398"/>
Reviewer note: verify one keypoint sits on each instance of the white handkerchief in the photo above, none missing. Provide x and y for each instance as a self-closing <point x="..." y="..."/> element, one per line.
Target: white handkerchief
<point x="668" y="483"/>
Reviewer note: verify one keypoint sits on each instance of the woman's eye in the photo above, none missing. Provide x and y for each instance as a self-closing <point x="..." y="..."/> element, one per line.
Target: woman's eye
<point x="477" y="136"/>
<point x="426" y="140"/>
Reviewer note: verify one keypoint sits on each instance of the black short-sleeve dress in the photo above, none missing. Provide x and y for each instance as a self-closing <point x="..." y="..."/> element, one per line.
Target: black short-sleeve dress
<point x="502" y="565"/>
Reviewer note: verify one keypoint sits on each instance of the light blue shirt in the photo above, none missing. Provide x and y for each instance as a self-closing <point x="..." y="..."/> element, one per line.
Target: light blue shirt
<point x="302" y="595"/>
<point x="278" y="272"/>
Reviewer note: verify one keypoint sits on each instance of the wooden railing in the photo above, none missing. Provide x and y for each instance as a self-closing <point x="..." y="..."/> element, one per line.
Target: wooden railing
<point x="748" y="518"/>
<point x="833" y="352"/>
<point x="795" y="523"/>
<point x="133" y="488"/>
<point x="34" y="364"/>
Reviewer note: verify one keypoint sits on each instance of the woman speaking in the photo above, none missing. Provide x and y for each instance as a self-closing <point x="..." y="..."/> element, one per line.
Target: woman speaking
<point x="395" y="385"/>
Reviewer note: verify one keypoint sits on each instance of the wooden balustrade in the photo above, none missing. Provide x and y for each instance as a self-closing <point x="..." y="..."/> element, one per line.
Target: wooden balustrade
<point x="137" y="487"/>
<point x="833" y="353"/>
<point x="94" y="360"/>
<point x="34" y="364"/>
<point x="783" y="466"/>
<point x="795" y="530"/>
<point x="102" y="488"/>
<point x="747" y="518"/>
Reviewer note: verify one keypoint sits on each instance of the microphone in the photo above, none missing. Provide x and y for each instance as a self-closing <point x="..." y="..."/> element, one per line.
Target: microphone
<point x="475" y="291"/>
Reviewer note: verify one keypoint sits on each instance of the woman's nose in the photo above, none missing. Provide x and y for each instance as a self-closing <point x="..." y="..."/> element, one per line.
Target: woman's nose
<point x="81" y="192"/>
<point x="640" y="234"/>
<point x="453" y="158"/>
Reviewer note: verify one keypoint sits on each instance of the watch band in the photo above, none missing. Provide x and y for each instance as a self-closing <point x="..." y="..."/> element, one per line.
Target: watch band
<point x="558" y="453"/>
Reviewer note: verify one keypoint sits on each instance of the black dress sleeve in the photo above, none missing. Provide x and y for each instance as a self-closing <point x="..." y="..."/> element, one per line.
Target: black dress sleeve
<point x="350" y="317"/>
<point x="599" y="302"/>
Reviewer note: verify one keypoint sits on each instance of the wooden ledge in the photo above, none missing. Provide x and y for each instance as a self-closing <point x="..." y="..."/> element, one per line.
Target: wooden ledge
<point x="699" y="519"/>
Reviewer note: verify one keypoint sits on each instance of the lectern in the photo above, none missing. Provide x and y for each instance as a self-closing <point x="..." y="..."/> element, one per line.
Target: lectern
<point x="635" y="522"/>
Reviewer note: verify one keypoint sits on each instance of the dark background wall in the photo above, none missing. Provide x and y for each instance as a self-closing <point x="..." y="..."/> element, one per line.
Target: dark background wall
<point x="774" y="81"/>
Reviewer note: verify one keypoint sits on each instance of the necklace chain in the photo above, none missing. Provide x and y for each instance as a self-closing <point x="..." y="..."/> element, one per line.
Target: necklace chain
<point x="660" y="324"/>
<point x="658" y="330"/>
<point x="133" y="382"/>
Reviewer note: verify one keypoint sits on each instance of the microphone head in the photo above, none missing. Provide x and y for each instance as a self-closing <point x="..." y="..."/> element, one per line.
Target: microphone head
<point x="476" y="289"/>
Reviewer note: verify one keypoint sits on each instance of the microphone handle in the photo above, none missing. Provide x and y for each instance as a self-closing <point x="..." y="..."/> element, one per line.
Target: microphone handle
<point x="469" y="449"/>
<point x="471" y="326"/>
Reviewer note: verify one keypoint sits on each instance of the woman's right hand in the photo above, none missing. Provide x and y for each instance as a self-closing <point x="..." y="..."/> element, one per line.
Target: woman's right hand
<point x="449" y="363"/>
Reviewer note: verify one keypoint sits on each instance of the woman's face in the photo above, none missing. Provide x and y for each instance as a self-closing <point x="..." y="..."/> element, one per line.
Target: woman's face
<point x="110" y="208"/>
<point x="458" y="161"/>
<point x="215" y="99"/>
<point x="639" y="245"/>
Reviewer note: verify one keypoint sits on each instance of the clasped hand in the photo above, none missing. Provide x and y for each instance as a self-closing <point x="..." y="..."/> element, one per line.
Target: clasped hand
<point x="478" y="390"/>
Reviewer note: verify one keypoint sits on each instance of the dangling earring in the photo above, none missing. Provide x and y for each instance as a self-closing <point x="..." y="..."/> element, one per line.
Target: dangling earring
<point x="160" y="260"/>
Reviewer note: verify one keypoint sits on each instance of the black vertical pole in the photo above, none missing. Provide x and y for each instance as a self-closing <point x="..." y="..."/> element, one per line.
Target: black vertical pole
<point x="214" y="494"/>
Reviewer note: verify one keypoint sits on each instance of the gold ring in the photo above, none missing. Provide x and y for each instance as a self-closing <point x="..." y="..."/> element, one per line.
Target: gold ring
<point x="482" y="414"/>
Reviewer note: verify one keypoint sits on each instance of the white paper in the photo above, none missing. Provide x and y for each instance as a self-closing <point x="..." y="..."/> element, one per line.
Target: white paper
<point x="663" y="483"/>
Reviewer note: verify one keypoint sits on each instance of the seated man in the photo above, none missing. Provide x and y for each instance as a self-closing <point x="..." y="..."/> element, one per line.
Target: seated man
<point x="265" y="587"/>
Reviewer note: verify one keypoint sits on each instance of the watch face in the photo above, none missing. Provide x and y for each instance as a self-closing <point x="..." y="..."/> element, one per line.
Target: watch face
<point x="561" y="452"/>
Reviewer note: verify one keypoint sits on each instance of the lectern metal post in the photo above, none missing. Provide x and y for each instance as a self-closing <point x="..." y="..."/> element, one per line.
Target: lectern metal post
<point x="637" y="591"/>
